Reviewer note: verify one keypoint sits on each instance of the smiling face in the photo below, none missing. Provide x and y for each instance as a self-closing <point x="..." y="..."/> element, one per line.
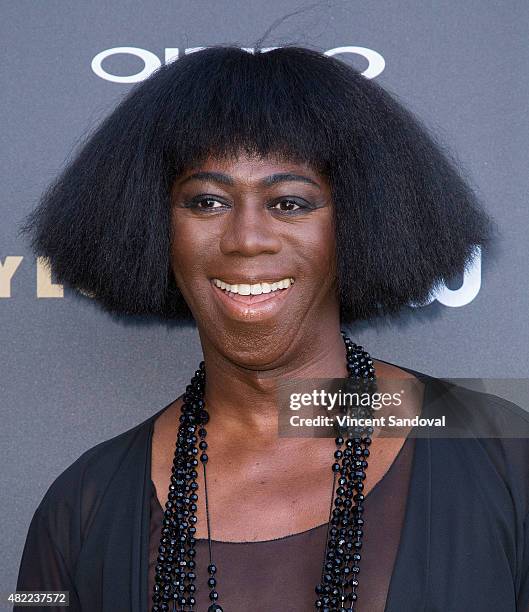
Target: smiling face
<point x="253" y="253"/>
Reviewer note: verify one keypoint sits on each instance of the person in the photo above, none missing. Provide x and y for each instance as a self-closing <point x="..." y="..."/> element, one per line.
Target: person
<point x="274" y="199"/>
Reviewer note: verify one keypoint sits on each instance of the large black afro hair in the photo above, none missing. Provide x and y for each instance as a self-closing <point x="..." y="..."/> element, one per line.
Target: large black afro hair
<point x="406" y="220"/>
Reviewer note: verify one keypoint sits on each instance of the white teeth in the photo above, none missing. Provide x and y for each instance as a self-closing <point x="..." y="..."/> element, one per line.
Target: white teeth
<point x="255" y="289"/>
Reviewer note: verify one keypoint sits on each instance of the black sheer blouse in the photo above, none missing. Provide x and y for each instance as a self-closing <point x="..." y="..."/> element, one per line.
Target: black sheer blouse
<point x="281" y="574"/>
<point x="447" y="528"/>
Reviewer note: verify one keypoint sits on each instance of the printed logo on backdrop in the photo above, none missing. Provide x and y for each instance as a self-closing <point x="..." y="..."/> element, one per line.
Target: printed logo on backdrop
<point x="46" y="288"/>
<point x="151" y="62"/>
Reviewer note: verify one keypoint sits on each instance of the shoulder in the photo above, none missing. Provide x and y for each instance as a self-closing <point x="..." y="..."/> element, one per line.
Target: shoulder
<point x="72" y="500"/>
<point x="97" y="462"/>
<point x="476" y="413"/>
<point x="83" y="497"/>
<point x="488" y="434"/>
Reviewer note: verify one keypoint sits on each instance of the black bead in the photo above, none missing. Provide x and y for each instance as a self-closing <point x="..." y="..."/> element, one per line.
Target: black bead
<point x="213" y="595"/>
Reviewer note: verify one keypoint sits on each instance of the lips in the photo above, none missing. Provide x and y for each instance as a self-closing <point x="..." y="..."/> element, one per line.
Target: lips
<point x="251" y="307"/>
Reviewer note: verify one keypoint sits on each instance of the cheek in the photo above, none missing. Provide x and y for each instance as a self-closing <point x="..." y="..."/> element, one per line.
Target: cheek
<point x="323" y="252"/>
<point x="192" y="249"/>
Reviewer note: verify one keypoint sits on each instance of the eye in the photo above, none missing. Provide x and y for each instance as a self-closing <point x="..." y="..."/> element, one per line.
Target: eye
<point x="205" y="203"/>
<point x="289" y="205"/>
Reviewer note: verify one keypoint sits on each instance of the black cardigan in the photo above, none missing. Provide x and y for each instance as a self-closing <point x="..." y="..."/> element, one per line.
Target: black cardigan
<point x="464" y="545"/>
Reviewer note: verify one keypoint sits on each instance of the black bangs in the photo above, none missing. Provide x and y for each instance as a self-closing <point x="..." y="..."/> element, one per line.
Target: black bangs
<point x="256" y="103"/>
<point x="405" y="218"/>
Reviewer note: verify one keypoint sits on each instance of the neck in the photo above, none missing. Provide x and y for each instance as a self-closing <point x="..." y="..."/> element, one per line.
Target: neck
<point x="242" y="400"/>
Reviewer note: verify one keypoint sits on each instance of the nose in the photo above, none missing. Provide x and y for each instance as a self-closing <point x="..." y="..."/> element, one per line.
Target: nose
<point x="250" y="230"/>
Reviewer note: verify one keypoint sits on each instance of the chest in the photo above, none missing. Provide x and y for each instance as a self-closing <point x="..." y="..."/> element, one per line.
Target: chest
<point x="262" y="495"/>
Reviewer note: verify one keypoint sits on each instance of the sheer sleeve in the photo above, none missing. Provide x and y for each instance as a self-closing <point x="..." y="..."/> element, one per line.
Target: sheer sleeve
<point x="43" y="567"/>
<point x="86" y="535"/>
<point x="523" y="594"/>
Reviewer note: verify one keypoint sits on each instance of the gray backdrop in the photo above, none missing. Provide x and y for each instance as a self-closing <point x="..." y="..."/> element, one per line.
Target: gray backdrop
<point x="71" y="375"/>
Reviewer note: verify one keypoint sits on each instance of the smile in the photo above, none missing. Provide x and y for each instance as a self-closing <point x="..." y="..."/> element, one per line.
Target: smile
<point x="244" y="300"/>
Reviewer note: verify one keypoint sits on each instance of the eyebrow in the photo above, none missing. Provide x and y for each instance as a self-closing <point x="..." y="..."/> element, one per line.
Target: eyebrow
<point x="267" y="181"/>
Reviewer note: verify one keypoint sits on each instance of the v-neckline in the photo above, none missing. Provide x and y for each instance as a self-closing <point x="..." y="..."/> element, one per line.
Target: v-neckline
<point x="416" y="518"/>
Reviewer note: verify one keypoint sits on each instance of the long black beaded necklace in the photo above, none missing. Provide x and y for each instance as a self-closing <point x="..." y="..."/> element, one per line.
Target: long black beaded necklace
<point x="174" y="585"/>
